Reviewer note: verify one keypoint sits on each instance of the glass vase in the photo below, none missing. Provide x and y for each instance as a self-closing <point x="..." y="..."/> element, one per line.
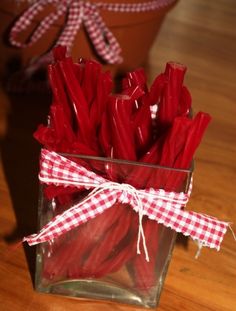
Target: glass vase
<point x="98" y="259"/>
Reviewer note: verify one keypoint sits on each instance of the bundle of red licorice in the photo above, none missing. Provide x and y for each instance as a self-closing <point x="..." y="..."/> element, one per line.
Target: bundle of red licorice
<point x="146" y="125"/>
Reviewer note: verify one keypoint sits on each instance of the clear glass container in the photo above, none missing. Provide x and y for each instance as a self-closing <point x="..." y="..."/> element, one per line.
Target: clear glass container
<point x="98" y="260"/>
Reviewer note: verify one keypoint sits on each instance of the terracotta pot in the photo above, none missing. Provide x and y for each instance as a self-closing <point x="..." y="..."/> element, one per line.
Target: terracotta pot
<point x="134" y="31"/>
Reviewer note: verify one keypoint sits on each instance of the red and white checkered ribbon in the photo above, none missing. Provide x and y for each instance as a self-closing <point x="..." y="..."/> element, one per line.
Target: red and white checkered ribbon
<point x="79" y="12"/>
<point x="159" y="205"/>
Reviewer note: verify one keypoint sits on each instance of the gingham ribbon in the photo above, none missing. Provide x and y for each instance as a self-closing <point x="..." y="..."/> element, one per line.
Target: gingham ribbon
<point x="159" y="205"/>
<point x="79" y="12"/>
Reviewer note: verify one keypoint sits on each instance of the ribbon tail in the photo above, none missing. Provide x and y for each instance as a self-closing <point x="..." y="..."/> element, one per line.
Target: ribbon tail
<point x="205" y="229"/>
<point x="75" y="216"/>
<point x="104" y="42"/>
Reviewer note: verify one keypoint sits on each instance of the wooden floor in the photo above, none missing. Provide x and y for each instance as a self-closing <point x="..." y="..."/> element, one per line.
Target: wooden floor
<point x="202" y="35"/>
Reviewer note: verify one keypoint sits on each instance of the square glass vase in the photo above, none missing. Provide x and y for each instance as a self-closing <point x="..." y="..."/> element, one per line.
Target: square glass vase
<point x="98" y="260"/>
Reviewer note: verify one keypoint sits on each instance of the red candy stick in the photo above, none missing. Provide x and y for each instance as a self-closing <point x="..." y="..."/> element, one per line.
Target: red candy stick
<point x="58" y="90"/>
<point x="80" y="106"/>
<point x="102" y="91"/>
<point x="169" y="104"/>
<point x="122" y="133"/>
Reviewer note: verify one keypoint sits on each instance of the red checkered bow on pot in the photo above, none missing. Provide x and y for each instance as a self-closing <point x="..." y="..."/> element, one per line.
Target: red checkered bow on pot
<point x="118" y="34"/>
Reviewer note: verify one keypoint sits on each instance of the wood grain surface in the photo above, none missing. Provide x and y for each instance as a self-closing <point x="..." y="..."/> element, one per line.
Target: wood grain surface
<point x="202" y="35"/>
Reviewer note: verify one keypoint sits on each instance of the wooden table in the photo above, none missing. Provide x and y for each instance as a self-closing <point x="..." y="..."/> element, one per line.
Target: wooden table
<point x="202" y="35"/>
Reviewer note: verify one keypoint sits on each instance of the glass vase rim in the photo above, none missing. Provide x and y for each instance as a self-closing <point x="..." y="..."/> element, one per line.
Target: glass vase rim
<point x="128" y="162"/>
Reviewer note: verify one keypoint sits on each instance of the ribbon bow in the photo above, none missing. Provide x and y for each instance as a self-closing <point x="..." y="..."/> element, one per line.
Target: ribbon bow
<point x="79" y="12"/>
<point x="159" y="205"/>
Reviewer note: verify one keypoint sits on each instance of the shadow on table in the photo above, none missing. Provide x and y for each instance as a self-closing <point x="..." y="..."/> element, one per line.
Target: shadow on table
<point x="20" y="154"/>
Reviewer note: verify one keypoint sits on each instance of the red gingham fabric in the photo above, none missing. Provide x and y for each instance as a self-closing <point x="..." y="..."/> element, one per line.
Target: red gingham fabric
<point x="78" y="12"/>
<point x="158" y="204"/>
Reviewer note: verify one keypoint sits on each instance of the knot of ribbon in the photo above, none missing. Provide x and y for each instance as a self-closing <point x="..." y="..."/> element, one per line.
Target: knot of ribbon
<point x="157" y="204"/>
<point x="79" y="12"/>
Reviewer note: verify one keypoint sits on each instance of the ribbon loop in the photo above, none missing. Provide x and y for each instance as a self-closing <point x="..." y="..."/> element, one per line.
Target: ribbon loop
<point x="27" y="18"/>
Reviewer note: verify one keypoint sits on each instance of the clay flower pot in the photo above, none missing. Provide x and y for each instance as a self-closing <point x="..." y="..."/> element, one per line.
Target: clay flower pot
<point x="134" y="31"/>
